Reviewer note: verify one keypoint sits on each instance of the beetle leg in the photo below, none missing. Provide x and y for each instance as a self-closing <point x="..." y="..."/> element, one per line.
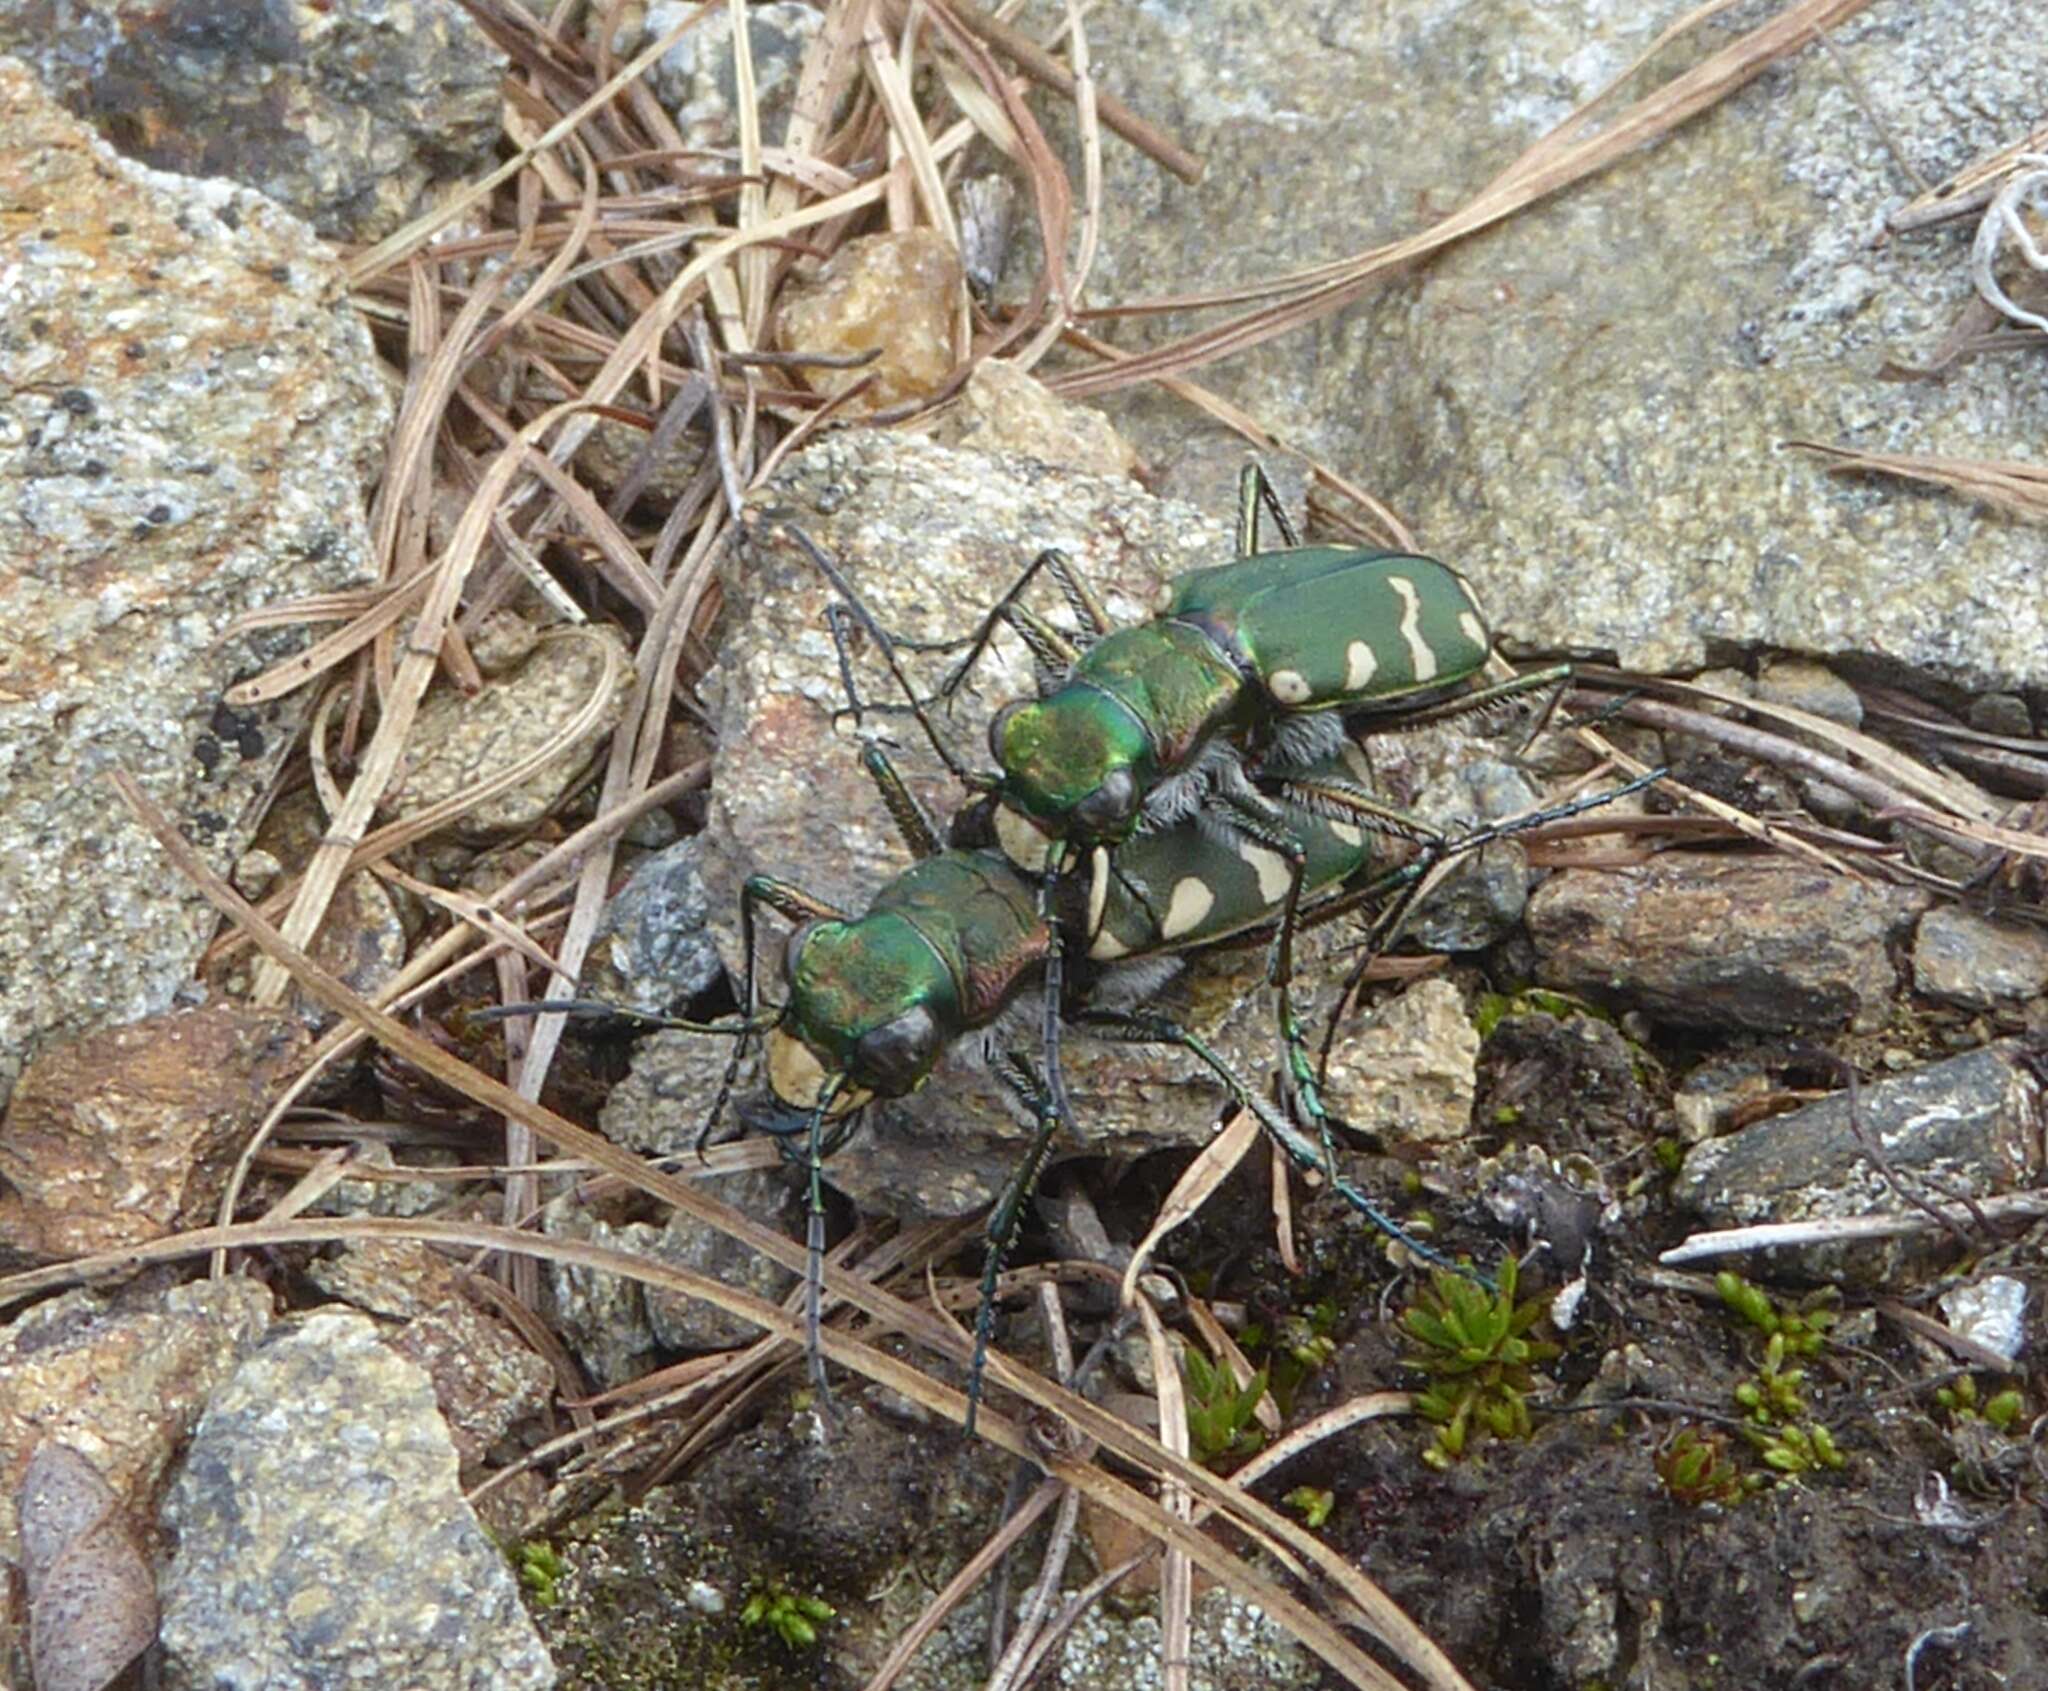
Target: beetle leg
<point x="1006" y="1217"/>
<point x="1080" y="597"/>
<point x="1338" y="800"/>
<point x="1136" y="1029"/>
<point x="999" y="613"/>
<point x="1391" y="718"/>
<point x="1255" y="490"/>
<point x="917" y="829"/>
<point x="887" y="645"/>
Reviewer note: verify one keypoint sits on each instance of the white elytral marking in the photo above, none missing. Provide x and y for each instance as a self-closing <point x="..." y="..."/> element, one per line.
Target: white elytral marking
<point x="1098" y="887"/>
<point x="1351" y="836"/>
<point x="1289" y="686"/>
<point x="1471" y="598"/>
<point x="1359" y="663"/>
<point x="1020" y="839"/>
<point x="1192" y="900"/>
<point x="794" y="1073"/>
<point x="1107" y="946"/>
<point x="1411" y="627"/>
<point x="1271" y="869"/>
<point x="1475" y="630"/>
<point x="1162" y="601"/>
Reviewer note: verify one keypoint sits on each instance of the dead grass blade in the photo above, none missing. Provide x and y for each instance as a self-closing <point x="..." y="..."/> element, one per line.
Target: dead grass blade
<point x="1281" y="1536"/>
<point x="1971" y="189"/>
<point x="1177" y="1581"/>
<point x="1565" y="156"/>
<point x="2010" y="485"/>
<point x="1191" y="1191"/>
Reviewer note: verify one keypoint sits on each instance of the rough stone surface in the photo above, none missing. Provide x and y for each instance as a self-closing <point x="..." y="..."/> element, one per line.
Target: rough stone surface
<point x="464" y="740"/>
<point x="352" y="116"/>
<point x="127" y="1134"/>
<point x="1005" y="409"/>
<point x="1407" y="1074"/>
<point x="928" y="536"/>
<point x="322" y="1539"/>
<point x="1702" y="941"/>
<point x="661" y="1105"/>
<point x="652" y="949"/>
<point x="485" y="1381"/>
<point x="1585" y="405"/>
<point x="897" y="295"/>
<point x="683" y="1323"/>
<point x="1484" y="895"/>
<point x="122" y="1380"/>
<point x="1971" y="960"/>
<point x="617" y="1326"/>
<point x="1967" y="1127"/>
<point x="190" y="407"/>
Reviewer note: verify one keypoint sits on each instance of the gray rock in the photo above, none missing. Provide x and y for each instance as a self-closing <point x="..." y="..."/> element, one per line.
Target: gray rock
<point x="602" y="1318"/>
<point x="1991" y="1312"/>
<point x="1970" y="1126"/>
<point x="322" y="1539"/>
<point x="616" y="1326"/>
<point x="1408" y="1072"/>
<point x="1527" y="403"/>
<point x="1484" y="895"/>
<point x="1811" y="687"/>
<point x="2001" y="713"/>
<point x="652" y="950"/>
<point x="189" y="406"/>
<point x="124" y="1378"/>
<point x="1701" y="941"/>
<point x="1971" y="960"/>
<point x="662" y="1104"/>
<point x="684" y="1323"/>
<point x="354" y="116"/>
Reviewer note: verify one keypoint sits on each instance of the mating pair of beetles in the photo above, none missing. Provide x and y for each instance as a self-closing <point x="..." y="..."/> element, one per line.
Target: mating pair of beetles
<point x="1184" y="782"/>
<point x="1189" y="781"/>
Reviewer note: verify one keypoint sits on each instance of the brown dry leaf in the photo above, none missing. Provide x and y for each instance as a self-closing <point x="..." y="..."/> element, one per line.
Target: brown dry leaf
<point x="91" y="1597"/>
<point x="1191" y="1191"/>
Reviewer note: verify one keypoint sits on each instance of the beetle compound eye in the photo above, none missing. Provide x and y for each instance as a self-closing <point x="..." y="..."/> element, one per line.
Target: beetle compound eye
<point x="1106" y="813"/>
<point x="999" y="726"/>
<point x="895" y="1057"/>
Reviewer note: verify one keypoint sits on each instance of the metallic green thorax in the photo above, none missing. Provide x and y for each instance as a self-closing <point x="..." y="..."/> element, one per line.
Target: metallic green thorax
<point x="957" y="935"/>
<point x="1200" y="885"/>
<point x="1324" y="626"/>
<point x="1141" y="699"/>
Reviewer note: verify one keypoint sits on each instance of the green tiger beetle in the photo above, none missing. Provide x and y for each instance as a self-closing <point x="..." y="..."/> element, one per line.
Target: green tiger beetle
<point x="1228" y="707"/>
<point x="1267" y="662"/>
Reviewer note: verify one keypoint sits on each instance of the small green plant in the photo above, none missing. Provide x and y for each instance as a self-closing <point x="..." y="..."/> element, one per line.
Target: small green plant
<point x="1313" y="1506"/>
<point x="540" y="1567"/>
<point x="2002" y="1410"/>
<point x="1473" y="1345"/>
<point x="1493" y="1008"/>
<point x="1775" y="1416"/>
<point x="1700" y="1468"/>
<point x="1804" y="1331"/>
<point x="1222" y="1415"/>
<point x="792" y="1618"/>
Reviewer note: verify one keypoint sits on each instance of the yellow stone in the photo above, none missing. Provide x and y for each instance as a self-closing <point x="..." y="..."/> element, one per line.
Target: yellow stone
<point x="898" y="293"/>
